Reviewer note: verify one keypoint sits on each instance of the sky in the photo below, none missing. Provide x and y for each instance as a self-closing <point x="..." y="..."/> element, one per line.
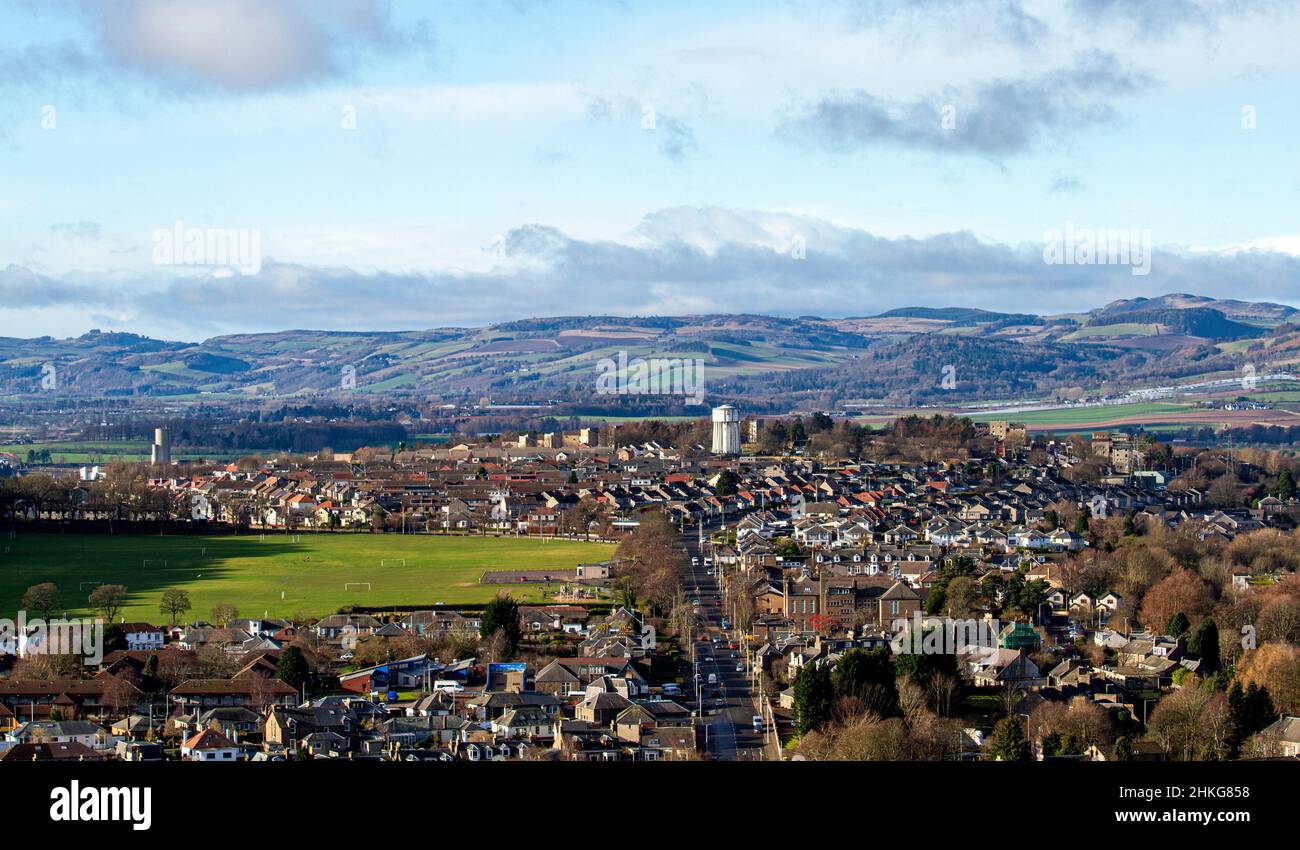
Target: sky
<point x="407" y="165"/>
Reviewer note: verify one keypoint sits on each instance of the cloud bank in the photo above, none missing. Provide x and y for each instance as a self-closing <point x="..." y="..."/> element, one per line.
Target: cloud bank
<point x="679" y="261"/>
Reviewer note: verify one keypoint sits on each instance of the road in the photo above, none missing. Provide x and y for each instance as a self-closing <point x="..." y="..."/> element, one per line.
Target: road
<point x="728" y="706"/>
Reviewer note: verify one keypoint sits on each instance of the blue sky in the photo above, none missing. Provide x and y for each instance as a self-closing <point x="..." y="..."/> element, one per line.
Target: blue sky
<point x="542" y="158"/>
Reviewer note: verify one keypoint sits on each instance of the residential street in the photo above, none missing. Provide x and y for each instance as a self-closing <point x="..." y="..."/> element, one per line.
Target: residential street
<point x="727" y="706"/>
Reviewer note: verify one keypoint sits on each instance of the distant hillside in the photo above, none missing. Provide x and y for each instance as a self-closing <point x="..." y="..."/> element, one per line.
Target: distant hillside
<point x="1261" y="312"/>
<point x="768" y="362"/>
<point x="960" y="315"/>
<point x="1201" y="322"/>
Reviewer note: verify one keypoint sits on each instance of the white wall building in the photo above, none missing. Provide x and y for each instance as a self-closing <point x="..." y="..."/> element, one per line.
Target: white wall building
<point x="726" y="430"/>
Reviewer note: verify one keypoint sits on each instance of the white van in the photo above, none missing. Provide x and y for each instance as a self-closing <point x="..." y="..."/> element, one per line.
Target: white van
<point x="713" y="678"/>
<point x="449" y="685"/>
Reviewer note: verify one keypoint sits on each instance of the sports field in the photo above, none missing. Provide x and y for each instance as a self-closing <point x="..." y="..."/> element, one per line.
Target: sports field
<point x="281" y="575"/>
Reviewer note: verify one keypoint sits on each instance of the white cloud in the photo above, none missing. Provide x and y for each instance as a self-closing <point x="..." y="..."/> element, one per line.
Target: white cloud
<point x="246" y="45"/>
<point x="679" y="261"/>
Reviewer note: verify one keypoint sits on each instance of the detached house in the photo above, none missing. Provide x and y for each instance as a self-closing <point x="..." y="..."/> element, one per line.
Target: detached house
<point x="142" y="637"/>
<point x="209" y="745"/>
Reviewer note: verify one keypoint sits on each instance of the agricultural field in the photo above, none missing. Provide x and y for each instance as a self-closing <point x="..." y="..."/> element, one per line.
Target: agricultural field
<point x="103" y="451"/>
<point x="1118" y="329"/>
<point x="1147" y="414"/>
<point x="281" y="575"/>
<point x="1067" y="417"/>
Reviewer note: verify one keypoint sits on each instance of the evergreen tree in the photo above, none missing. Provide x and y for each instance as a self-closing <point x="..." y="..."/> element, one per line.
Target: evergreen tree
<point x="869" y="676"/>
<point x="813" y="696"/>
<point x="1009" y="742"/>
<point x="292" y="668"/>
<point x="502" y="614"/>
<point x="921" y="667"/>
<point x="1285" y="485"/>
<point x="1204" y="642"/>
<point x="1177" y="625"/>
<point x="727" y="482"/>
<point x="1250" y="708"/>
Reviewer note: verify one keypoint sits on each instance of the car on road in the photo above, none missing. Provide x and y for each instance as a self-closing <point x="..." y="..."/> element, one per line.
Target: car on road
<point x="713" y="678"/>
<point x="695" y="562"/>
<point x="740" y="668"/>
<point x="757" y="721"/>
<point x="708" y="659"/>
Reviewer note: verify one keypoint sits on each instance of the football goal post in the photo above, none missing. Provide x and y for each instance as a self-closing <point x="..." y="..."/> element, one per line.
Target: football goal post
<point x="155" y="561"/>
<point x="397" y="562"/>
<point x="351" y="584"/>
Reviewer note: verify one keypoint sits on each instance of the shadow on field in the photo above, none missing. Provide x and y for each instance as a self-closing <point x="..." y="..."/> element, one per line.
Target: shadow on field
<point x="146" y="564"/>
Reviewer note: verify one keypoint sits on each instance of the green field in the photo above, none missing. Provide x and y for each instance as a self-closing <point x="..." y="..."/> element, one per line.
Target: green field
<point x="1081" y="416"/>
<point x="110" y="450"/>
<point x="252" y="575"/>
<point x="1120" y="329"/>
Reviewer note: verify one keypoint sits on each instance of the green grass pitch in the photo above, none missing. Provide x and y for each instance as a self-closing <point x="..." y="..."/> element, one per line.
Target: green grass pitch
<point x="251" y="574"/>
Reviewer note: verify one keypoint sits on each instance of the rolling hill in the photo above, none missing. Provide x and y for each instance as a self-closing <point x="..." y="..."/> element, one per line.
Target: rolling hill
<point x="900" y="355"/>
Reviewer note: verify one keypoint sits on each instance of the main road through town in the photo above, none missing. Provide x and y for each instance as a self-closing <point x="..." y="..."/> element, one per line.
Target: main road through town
<point x="724" y="691"/>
